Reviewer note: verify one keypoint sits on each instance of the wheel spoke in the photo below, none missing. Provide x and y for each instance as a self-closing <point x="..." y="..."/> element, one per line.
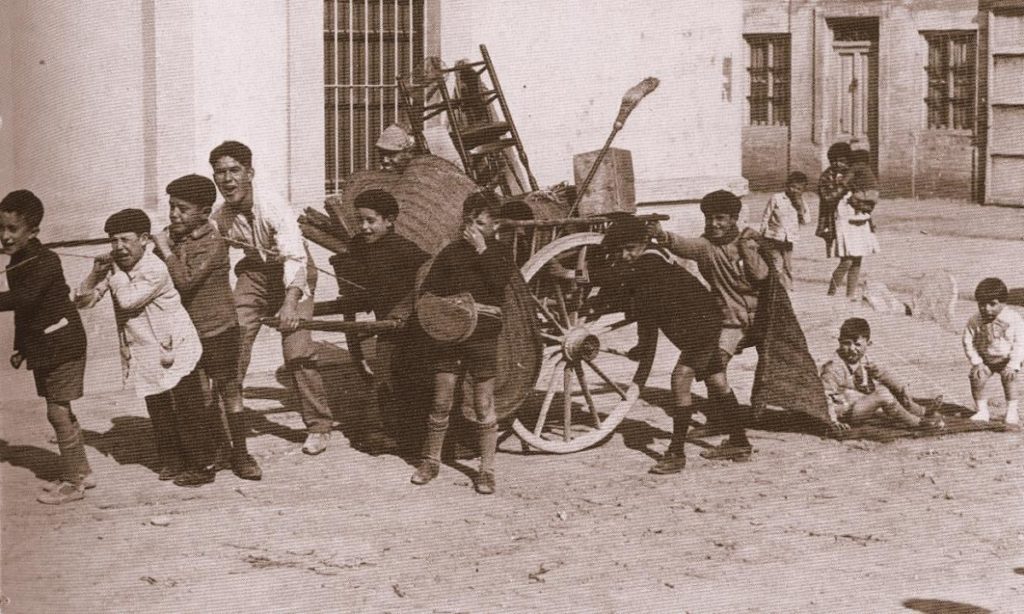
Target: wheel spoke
<point x="608" y="380"/>
<point x="547" y="313"/>
<point x="549" y="396"/>
<point x="567" y="403"/>
<point x="585" y="387"/>
<point x="612" y="327"/>
<point x="614" y="351"/>
<point x="561" y="304"/>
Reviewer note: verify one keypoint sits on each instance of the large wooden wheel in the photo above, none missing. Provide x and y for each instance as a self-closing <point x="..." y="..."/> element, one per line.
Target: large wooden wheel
<point x="585" y="374"/>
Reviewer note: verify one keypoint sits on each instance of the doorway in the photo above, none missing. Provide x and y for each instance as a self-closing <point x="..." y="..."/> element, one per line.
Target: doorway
<point x="852" y="88"/>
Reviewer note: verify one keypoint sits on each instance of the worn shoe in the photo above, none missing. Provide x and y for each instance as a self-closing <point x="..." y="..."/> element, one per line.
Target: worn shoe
<point x="316" y="443"/>
<point x="246" y="467"/>
<point x="981" y="416"/>
<point x="89" y="481"/>
<point x="168" y="473"/>
<point x="224" y="458"/>
<point x="195" y="477"/>
<point x="728" y="450"/>
<point x="426" y="472"/>
<point x="1012" y="417"/>
<point x="932" y="420"/>
<point x="483" y="483"/>
<point x="671" y="462"/>
<point x="376" y="444"/>
<point x="64" y="492"/>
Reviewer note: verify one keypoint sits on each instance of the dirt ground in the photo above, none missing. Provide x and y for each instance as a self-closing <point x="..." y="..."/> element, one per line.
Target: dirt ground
<point x="810" y="525"/>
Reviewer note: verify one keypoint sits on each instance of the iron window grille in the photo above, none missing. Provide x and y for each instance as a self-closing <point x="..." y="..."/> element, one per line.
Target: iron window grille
<point x="769" y="79"/>
<point x="951" y="70"/>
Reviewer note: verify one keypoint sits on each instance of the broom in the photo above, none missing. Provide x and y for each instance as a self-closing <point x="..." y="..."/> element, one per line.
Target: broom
<point x="630" y="100"/>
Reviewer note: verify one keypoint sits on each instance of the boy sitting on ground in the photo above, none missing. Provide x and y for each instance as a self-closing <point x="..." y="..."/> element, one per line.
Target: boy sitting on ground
<point x="857" y="388"/>
<point x="665" y="297"/>
<point x="994" y="343"/>
<point x="48" y="335"/>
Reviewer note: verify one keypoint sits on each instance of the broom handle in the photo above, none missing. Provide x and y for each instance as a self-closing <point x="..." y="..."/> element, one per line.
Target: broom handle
<point x="582" y="189"/>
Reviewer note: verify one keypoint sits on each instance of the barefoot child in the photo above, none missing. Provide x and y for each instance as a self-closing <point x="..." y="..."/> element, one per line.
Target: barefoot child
<point x="854" y="231"/>
<point x="159" y="345"/>
<point x="666" y="297"/>
<point x="48" y="335"/>
<point x="481" y="266"/>
<point x="994" y="343"/>
<point x="197" y="260"/>
<point x="857" y="387"/>
<point x="780" y="224"/>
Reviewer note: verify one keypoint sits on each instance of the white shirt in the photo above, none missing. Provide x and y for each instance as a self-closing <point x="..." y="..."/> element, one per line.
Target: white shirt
<point x="151" y="322"/>
<point x="273" y="236"/>
<point x="781" y="220"/>
<point x="995" y="341"/>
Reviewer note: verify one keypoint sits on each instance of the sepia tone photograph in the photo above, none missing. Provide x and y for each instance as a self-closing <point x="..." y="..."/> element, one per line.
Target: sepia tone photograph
<point x="456" y="306"/>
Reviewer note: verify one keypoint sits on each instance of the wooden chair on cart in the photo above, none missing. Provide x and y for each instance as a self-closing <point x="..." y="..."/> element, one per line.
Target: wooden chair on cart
<point x="479" y="121"/>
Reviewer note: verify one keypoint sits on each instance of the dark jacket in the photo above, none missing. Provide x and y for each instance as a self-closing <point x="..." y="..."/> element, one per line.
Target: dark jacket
<point x="39" y="297"/>
<point x="200" y="268"/>
<point x="386" y="269"/>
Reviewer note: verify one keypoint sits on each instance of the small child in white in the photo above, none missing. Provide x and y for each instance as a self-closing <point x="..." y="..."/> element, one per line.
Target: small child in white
<point x="994" y="343"/>
<point x="783" y="216"/>
<point x="857" y="387"/>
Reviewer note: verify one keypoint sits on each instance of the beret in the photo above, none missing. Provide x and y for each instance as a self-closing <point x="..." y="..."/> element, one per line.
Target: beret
<point x="720" y="201"/>
<point x="195" y="189"/>
<point x="127" y="220"/>
<point x="380" y="201"/>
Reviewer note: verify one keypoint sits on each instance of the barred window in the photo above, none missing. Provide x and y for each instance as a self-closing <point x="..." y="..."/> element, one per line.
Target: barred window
<point x="951" y="73"/>
<point x="367" y="45"/>
<point x="769" y="79"/>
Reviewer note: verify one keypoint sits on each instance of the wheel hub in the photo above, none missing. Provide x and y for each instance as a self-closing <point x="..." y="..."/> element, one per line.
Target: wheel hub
<point x="580" y="344"/>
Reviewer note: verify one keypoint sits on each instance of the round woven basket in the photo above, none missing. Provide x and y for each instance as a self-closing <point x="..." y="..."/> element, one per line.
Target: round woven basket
<point x="429" y="192"/>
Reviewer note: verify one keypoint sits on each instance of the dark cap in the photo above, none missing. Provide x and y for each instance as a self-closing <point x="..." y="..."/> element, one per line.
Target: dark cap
<point x="195" y="189"/>
<point x="480" y="201"/>
<point x="720" y="201"/>
<point x="127" y="220"/>
<point x="380" y="201"/>
<point x="624" y="231"/>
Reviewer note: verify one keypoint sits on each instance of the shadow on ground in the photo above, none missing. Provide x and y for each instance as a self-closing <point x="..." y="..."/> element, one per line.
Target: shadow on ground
<point x="941" y="606"/>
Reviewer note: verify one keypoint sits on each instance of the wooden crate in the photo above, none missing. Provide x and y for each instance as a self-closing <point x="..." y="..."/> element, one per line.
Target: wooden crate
<point x="613" y="186"/>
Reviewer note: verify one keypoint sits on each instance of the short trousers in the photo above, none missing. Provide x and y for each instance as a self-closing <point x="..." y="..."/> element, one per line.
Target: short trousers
<point x="734" y="339"/>
<point x="220" y="355"/>
<point x="61" y="383"/>
<point x="478" y="356"/>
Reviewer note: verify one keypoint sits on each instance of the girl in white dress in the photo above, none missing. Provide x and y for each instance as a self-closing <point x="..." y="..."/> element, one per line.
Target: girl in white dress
<point x="855" y="232"/>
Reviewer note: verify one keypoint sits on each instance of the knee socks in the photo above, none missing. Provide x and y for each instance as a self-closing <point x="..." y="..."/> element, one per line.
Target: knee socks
<point x="238" y="428"/>
<point x="74" y="464"/>
<point x="680" y="427"/>
<point x="488" y="437"/>
<point x="434" y="441"/>
<point x="737" y="417"/>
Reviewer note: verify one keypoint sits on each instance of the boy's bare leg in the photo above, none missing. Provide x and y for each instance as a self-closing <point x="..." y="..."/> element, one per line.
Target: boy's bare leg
<point x="674" y="459"/>
<point x="864" y="407"/>
<point x="839" y="274"/>
<point x="979" y="376"/>
<point x="1011" y="388"/>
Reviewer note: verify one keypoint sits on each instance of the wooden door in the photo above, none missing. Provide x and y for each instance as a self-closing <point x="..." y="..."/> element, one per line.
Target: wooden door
<point x="854" y="93"/>
<point x="1004" y="164"/>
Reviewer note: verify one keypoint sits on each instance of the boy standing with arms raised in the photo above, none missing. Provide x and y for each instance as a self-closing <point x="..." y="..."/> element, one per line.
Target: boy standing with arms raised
<point x="197" y="260"/>
<point x="48" y="335"/>
<point x="275" y="276"/>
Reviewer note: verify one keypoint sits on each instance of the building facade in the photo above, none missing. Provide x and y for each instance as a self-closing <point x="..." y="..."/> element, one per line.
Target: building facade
<point x="103" y="103"/>
<point x="902" y="79"/>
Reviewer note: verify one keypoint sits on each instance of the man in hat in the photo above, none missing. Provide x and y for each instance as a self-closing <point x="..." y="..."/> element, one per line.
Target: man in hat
<point x="159" y="346"/>
<point x="396" y="147"/>
<point x="384" y="265"/>
<point x="197" y="259"/>
<point x="277" y="275"/>
<point x="730" y="262"/>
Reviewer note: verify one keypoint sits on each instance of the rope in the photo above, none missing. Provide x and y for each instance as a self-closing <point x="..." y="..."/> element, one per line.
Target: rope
<point x="12" y="267"/>
<point x="276" y="254"/>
